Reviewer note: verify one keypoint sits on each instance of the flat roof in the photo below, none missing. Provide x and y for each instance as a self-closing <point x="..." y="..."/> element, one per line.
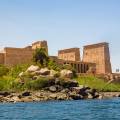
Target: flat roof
<point x="39" y="42"/>
<point x="68" y="50"/>
<point x="96" y="45"/>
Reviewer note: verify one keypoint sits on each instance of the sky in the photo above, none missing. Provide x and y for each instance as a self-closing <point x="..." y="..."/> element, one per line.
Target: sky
<point x="63" y="23"/>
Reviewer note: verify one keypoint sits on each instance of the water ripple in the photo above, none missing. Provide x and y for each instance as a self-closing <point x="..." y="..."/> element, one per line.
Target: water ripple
<point x="62" y="110"/>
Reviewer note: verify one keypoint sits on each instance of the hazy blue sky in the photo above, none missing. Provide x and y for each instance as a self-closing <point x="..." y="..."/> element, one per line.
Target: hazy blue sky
<point x="63" y="23"/>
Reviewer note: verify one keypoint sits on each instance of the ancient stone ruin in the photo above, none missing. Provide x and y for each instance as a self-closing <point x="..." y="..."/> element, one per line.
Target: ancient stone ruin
<point x="96" y="57"/>
<point x="98" y="54"/>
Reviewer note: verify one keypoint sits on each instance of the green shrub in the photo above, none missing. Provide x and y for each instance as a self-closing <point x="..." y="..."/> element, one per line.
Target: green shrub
<point x="15" y="70"/>
<point x="53" y="65"/>
<point x="36" y="84"/>
<point x="6" y="83"/>
<point x="67" y="66"/>
<point x="40" y="56"/>
<point x="99" y="84"/>
<point x="3" y="70"/>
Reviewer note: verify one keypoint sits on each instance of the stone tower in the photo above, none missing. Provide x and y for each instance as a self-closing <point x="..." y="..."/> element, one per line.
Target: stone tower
<point x="40" y="44"/>
<point x="71" y="54"/>
<point x="99" y="54"/>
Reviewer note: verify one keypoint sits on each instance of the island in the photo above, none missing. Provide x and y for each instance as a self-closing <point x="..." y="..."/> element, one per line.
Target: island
<point x="29" y="74"/>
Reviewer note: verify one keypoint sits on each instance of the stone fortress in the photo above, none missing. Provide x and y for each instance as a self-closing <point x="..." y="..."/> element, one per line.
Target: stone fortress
<point x="96" y="57"/>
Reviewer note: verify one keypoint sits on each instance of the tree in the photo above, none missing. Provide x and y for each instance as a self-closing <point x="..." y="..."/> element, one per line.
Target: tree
<point x="40" y="56"/>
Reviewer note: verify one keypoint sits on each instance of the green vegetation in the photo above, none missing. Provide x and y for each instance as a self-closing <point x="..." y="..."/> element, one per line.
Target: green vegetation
<point x="9" y="84"/>
<point x="53" y="65"/>
<point x="99" y="84"/>
<point x="40" y="56"/>
<point x="15" y="70"/>
<point x="9" y="80"/>
<point x="3" y="70"/>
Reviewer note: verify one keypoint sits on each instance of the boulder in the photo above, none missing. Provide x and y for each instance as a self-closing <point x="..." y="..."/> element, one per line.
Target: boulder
<point x="2" y="99"/>
<point x="35" y="98"/>
<point x="26" y="94"/>
<point x="66" y="73"/>
<point x="15" y="99"/>
<point x="52" y="89"/>
<point x="53" y="96"/>
<point x="76" y="89"/>
<point x="44" y="71"/>
<point x="57" y="81"/>
<point x="2" y="93"/>
<point x="90" y="96"/>
<point x="59" y="88"/>
<point x="62" y="96"/>
<point x="66" y="90"/>
<point x="94" y="93"/>
<point x="33" y="68"/>
<point x="83" y="92"/>
<point x="69" y="83"/>
<point x="100" y="97"/>
<point x="75" y="96"/>
<point x="27" y="99"/>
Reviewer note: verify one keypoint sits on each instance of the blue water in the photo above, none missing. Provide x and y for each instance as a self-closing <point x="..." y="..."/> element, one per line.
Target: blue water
<point x="62" y="110"/>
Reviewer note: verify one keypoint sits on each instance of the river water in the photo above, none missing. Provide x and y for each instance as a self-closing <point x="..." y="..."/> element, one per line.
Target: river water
<point x="108" y="109"/>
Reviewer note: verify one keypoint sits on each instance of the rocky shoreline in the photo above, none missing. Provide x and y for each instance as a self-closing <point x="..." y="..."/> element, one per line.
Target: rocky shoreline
<point x="75" y="93"/>
<point x="109" y="94"/>
<point x="68" y="90"/>
<point x="43" y="95"/>
<point x="37" y="96"/>
<point x="53" y="88"/>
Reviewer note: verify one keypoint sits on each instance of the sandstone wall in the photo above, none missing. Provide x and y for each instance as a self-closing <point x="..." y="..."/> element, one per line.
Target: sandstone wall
<point x="15" y="56"/>
<point x="99" y="54"/>
<point x="1" y="58"/>
<point x="72" y="54"/>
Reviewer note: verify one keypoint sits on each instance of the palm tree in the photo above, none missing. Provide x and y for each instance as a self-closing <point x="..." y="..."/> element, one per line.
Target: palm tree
<point x="40" y="56"/>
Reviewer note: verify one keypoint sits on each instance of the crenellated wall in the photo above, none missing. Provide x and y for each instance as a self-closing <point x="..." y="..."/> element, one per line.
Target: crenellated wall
<point x="15" y="56"/>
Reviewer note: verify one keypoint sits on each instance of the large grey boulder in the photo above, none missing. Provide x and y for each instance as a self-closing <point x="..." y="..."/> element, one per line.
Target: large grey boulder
<point x="26" y="93"/>
<point x="33" y="68"/>
<point x="44" y="71"/>
<point x="66" y="73"/>
<point x="52" y="89"/>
